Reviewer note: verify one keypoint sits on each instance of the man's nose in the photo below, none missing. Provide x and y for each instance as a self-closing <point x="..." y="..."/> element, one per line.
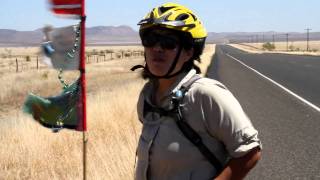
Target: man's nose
<point x="157" y="47"/>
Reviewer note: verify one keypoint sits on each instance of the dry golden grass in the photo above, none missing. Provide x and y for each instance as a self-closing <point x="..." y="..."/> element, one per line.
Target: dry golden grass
<point x="206" y="57"/>
<point x="30" y="151"/>
<point x="15" y="51"/>
<point x="297" y="47"/>
<point x="33" y="152"/>
<point x="112" y="132"/>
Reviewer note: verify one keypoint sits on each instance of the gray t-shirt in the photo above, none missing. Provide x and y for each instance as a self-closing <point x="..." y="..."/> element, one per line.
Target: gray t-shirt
<point x="212" y="111"/>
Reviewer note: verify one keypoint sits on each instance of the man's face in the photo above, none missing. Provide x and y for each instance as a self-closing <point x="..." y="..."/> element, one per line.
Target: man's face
<point x="161" y="48"/>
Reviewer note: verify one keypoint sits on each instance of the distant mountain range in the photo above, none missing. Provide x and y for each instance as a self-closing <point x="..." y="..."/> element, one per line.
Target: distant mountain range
<point x="103" y="35"/>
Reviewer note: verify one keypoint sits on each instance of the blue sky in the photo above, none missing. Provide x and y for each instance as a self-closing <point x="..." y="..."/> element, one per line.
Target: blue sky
<point x="218" y="16"/>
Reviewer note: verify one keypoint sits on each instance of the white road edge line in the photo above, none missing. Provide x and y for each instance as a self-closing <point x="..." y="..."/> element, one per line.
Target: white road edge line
<point x="277" y="84"/>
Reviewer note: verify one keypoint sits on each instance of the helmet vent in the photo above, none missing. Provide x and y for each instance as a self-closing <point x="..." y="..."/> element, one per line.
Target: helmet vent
<point x="163" y="9"/>
<point x="194" y="17"/>
<point x="151" y="15"/>
<point x="182" y="17"/>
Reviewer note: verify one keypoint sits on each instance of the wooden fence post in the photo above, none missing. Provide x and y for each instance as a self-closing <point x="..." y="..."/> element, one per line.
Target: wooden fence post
<point x="37" y="62"/>
<point x="17" y="66"/>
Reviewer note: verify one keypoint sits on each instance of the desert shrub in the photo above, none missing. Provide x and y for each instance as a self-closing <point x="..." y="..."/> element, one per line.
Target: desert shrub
<point x="109" y="51"/>
<point x="127" y="54"/>
<point x="291" y="48"/>
<point x="118" y="55"/>
<point x="268" y="46"/>
<point x="28" y="59"/>
<point x="3" y="56"/>
<point x="45" y="75"/>
<point x="94" y="52"/>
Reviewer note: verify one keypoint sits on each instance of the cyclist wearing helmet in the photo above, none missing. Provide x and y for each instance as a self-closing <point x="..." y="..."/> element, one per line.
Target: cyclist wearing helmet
<point x="175" y="103"/>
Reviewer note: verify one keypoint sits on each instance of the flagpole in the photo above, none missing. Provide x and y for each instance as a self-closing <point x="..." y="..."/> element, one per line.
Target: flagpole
<point x="83" y="87"/>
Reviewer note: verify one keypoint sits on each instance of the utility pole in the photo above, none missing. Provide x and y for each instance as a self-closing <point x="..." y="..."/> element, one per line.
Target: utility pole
<point x="273" y="38"/>
<point x="308" y="29"/>
<point x="287" y="41"/>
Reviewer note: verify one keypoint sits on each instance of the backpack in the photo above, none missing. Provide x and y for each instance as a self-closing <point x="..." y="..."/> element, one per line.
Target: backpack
<point x="184" y="127"/>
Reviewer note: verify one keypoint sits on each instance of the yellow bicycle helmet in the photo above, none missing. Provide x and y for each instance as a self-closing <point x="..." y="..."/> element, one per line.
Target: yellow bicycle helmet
<point x="181" y="20"/>
<point x="177" y="17"/>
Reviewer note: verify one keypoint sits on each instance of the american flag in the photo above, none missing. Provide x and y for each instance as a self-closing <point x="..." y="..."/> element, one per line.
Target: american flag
<point x="67" y="7"/>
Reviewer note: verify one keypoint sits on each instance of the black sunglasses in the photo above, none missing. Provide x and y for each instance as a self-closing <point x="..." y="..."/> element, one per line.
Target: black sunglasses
<point x="165" y="41"/>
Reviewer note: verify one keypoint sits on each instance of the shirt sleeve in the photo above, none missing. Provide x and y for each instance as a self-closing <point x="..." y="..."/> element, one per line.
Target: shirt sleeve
<point x="140" y="105"/>
<point x="226" y="120"/>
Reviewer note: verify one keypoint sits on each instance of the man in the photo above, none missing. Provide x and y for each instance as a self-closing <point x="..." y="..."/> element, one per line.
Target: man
<point x="173" y="38"/>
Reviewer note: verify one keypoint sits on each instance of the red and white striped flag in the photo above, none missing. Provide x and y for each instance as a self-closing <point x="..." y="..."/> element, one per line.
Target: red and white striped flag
<point x="66" y="7"/>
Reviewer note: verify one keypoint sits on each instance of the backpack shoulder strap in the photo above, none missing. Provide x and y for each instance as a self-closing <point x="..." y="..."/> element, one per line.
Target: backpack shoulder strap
<point x="186" y="86"/>
<point x="196" y="140"/>
<point x="181" y="92"/>
<point x="187" y="130"/>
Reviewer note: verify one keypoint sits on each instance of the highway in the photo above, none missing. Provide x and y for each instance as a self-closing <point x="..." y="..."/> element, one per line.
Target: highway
<point x="281" y="95"/>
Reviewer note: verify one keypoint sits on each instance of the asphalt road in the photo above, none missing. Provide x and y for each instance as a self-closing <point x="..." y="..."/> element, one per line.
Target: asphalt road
<point x="288" y="127"/>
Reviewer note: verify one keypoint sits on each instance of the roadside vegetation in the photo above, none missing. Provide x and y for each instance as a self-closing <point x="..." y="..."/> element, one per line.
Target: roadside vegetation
<point x="268" y="46"/>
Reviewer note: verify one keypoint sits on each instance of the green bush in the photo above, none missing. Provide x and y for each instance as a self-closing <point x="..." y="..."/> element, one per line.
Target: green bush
<point x="268" y="46"/>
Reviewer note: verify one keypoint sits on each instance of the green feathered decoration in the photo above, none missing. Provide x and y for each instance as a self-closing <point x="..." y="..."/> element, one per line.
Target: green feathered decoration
<point x="62" y="111"/>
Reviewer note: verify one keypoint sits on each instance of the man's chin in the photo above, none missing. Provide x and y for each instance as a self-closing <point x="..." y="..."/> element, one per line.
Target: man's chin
<point x="157" y="72"/>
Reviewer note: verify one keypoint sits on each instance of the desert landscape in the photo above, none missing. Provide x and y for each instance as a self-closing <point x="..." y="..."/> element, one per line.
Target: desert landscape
<point x="34" y="152"/>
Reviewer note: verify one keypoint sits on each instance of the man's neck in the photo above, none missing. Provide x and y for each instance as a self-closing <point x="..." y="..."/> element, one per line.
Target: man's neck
<point x="162" y="88"/>
<point x="165" y="84"/>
